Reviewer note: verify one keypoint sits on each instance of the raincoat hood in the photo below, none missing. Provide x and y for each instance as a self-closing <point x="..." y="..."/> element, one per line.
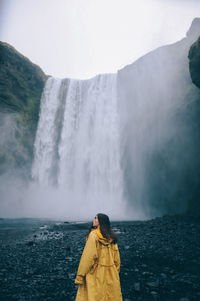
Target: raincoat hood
<point x="101" y="238"/>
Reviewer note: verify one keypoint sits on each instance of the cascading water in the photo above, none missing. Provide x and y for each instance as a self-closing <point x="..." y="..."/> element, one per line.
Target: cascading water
<point x="77" y="143"/>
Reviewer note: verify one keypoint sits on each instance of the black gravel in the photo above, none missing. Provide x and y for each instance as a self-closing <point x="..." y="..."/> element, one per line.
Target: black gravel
<point x="160" y="259"/>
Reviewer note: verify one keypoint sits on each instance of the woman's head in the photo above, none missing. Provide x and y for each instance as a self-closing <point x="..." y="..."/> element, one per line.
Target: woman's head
<point x="102" y="221"/>
<point x="95" y="221"/>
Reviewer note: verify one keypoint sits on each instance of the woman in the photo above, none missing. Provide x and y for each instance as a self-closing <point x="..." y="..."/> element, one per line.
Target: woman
<point x="99" y="267"/>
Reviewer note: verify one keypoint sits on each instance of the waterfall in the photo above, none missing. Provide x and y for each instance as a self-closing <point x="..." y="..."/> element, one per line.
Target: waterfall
<point x="77" y="141"/>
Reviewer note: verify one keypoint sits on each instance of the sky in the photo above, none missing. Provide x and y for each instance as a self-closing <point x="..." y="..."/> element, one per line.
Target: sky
<point x="82" y="38"/>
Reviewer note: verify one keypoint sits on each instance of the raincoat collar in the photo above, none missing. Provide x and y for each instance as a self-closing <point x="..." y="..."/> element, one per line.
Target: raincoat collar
<point x="102" y="239"/>
<point x="98" y="232"/>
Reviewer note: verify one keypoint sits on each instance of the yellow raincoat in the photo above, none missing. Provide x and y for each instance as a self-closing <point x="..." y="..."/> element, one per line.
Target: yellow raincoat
<point x="98" y="271"/>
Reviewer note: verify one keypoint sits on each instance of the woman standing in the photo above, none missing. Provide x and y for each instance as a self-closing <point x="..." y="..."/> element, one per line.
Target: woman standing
<point x="99" y="267"/>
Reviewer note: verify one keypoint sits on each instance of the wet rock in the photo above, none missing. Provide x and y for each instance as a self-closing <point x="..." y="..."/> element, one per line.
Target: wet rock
<point x="30" y="243"/>
<point x="137" y="286"/>
<point x="144" y="265"/>
<point x="163" y="275"/>
<point x="146" y="273"/>
<point x="155" y="295"/>
<point x="153" y="284"/>
<point x="68" y="249"/>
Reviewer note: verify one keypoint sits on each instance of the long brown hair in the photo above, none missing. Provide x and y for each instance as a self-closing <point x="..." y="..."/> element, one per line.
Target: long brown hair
<point x="105" y="228"/>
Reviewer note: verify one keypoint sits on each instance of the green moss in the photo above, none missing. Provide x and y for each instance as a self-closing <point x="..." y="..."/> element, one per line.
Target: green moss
<point x="21" y="86"/>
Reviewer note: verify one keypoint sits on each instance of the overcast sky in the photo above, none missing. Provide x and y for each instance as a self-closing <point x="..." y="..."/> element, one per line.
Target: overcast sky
<point x="81" y="38"/>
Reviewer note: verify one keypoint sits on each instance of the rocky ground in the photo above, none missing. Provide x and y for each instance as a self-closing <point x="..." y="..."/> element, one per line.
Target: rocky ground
<point x="160" y="259"/>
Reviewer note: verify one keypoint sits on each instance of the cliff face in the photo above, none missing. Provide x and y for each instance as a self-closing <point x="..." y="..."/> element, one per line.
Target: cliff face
<point x="193" y="114"/>
<point x="194" y="64"/>
<point x="21" y="85"/>
<point x="160" y="110"/>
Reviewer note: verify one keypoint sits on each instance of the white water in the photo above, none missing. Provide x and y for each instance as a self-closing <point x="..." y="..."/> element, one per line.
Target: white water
<point x="45" y="136"/>
<point x="77" y="144"/>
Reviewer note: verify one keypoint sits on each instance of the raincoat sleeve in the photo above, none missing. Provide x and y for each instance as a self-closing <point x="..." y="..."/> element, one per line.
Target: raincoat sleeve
<point x="88" y="258"/>
<point x="117" y="258"/>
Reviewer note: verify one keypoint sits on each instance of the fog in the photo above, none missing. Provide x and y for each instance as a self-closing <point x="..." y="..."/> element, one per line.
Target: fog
<point x="82" y="38"/>
<point x="30" y="200"/>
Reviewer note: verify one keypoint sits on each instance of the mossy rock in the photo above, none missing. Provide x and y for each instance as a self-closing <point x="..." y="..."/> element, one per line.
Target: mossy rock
<point x="21" y="86"/>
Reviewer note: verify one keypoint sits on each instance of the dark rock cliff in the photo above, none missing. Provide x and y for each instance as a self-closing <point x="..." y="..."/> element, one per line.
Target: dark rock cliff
<point x="193" y="115"/>
<point x="194" y="64"/>
<point x="21" y="85"/>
